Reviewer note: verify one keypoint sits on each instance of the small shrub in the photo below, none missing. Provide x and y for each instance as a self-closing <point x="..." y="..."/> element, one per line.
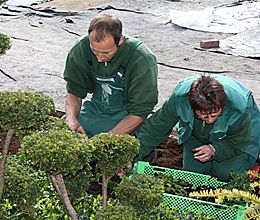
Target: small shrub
<point x="57" y="151"/>
<point x="24" y="111"/>
<point x="117" y="212"/>
<point x="113" y="152"/>
<point x="5" y="42"/>
<point x="143" y="192"/>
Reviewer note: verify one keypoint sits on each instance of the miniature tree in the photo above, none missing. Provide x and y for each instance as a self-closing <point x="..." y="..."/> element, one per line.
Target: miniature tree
<point x="21" y="113"/>
<point x="113" y="152"/>
<point x="58" y="153"/>
<point x="143" y="192"/>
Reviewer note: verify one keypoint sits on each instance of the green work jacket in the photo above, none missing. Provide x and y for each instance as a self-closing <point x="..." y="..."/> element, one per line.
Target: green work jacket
<point x="139" y="78"/>
<point x="234" y="132"/>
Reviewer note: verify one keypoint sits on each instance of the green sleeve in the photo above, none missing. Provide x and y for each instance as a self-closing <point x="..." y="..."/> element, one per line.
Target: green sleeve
<point x="157" y="127"/>
<point x="76" y="71"/>
<point x="141" y="83"/>
<point x="235" y="141"/>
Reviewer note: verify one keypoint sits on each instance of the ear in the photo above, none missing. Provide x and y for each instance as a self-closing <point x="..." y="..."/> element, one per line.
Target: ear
<point x="122" y="39"/>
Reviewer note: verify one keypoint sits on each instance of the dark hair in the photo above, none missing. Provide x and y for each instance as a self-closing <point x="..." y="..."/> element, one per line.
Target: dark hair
<point x="207" y="95"/>
<point x="104" y="25"/>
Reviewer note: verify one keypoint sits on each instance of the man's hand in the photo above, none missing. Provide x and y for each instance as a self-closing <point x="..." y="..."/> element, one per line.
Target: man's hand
<point x="204" y="153"/>
<point x="74" y="125"/>
<point x="72" y="107"/>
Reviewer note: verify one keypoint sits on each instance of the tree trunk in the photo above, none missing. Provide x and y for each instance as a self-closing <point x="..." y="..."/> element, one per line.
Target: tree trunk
<point x="60" y="187"/>
<point x="3" y="159"/>
<point x="104" y="190"/>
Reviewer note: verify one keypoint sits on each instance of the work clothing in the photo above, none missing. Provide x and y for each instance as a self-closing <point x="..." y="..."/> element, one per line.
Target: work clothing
<point x="234" y="133"/>
<point x="127" y="84"/>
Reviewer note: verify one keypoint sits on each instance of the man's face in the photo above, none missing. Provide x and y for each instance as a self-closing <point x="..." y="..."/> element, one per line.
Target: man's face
<point x="104" y="50"/>
<point x="208" y="118"/>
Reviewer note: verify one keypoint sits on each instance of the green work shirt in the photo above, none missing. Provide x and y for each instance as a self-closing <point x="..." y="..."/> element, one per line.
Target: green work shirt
<point x="139" y="81"/>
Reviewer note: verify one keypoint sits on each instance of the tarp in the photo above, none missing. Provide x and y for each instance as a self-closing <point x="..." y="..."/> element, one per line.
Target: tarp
<point x="242" y="20"/>
<point x="229" y="19"/>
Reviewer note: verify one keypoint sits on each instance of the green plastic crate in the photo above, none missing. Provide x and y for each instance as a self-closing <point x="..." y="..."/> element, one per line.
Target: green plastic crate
<point x="218" y="211"/>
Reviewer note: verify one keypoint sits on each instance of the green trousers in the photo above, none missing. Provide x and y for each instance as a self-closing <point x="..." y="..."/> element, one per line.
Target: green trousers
<point x="219" y="169"/>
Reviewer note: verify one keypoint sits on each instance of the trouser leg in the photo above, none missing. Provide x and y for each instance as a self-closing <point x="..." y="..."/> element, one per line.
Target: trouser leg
<point x="191" y="164"/>
<point x="240" y="163"/>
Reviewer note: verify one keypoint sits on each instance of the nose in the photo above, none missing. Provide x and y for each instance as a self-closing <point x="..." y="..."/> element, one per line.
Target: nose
<point x="101" y="57"/>
<point x="210" y="119"/>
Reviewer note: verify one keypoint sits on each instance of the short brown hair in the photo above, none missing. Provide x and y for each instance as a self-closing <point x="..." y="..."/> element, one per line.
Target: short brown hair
<point x="207" y="95"/>
<point x="104" y="25"/>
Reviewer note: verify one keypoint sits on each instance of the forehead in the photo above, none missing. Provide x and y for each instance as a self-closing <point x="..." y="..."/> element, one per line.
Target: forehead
<point x="105" y="43"/>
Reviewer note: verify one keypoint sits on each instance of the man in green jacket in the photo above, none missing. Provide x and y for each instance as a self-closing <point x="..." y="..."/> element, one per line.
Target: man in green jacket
<point x="218" y="123"/>
<point x="119" y="72"/>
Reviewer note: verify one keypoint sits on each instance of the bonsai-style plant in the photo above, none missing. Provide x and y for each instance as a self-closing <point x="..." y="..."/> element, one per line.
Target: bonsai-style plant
<point x="21" y="113"/>
<point x="143" y="192"/>
<point x="58" y="153"/>
<point x="112" y="153"/>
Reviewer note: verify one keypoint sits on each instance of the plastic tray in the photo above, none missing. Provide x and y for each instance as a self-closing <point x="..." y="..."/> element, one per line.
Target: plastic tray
<point x="218" y="211"/>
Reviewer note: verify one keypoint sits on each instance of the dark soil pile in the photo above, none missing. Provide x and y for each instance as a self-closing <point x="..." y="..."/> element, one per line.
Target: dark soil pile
<point x="169" y="153"/>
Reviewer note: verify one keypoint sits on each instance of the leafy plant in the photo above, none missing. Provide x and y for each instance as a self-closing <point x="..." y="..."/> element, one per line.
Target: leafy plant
<point x="58" y="153"/>
<point x="5" y="42"/>
<point x="117" y="212"/>
<point x="249" y="197"/>
<point x="143" y="192"/>
<point x="24" y="111"/>
<point x="112" y="153"/>
<point x="21" y="112"/>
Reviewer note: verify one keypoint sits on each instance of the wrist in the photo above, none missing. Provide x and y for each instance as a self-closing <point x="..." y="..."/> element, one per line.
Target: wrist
<point x="213" y="149"/>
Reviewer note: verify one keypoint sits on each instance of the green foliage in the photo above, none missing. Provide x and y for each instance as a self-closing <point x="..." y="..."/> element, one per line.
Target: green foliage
<point x="5" y="42"/>
<point x="175" y="186"/>
<point x="239" y="181"/>
<point x="140" y="191"/>
<point x="77" y="184"/>
<point x="18" y="184"/>
<point x="24" y="111"/>
<point x="58" y="151"/>
<point x="117" y="212"/>
<point x="113" y="151"/>
<point x="54" y="123"/>
<point x="164" y="212"/>
<point x="87" y="206"/>
<point x="28" y="194"/>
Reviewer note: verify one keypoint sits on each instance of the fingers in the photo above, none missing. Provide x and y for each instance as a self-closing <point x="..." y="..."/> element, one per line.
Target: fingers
<point x="203" y="153"/>
<point x="75" y="126"/>
<point x="81" y="130"/>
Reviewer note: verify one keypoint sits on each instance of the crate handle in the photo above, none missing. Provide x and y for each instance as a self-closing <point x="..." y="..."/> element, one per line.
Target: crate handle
<point x="158" y="169"/>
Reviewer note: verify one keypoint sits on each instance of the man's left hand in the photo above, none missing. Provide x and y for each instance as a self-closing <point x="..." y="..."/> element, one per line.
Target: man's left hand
<point x="204" y="153"/>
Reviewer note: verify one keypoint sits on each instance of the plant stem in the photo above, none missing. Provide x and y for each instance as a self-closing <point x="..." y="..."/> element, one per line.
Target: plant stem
<point x="3" y="159"/>
<point x="60" y="187"/>
<point x="104" y="190"/>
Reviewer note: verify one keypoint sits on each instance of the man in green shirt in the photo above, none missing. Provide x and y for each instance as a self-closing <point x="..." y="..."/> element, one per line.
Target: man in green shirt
<point x="121" y="74"/>
<point x="218" y="123"/>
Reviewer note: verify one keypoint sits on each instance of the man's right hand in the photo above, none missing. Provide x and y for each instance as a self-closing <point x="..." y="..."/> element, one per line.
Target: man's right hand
<point x="72" y="107"/>
<point x="75" y="126"/>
